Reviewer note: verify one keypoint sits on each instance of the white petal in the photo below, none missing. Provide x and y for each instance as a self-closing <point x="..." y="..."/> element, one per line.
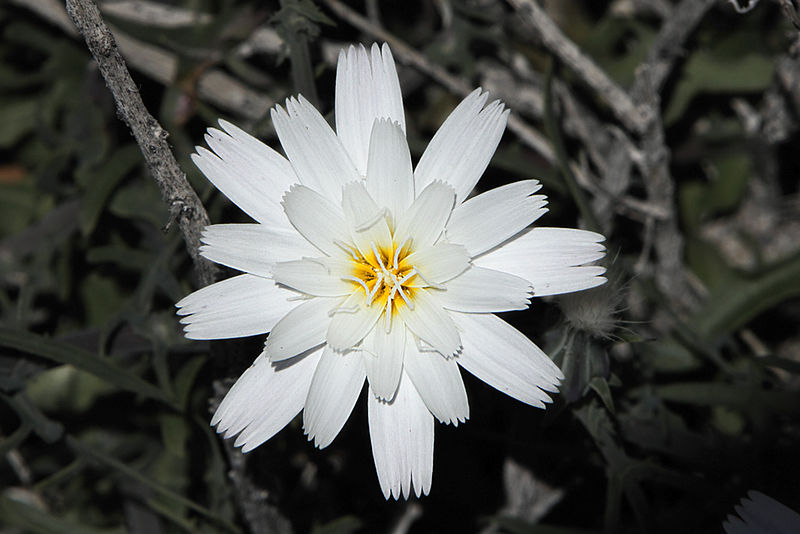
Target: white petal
<point x="254" y="162"/>
<point x="351" y="322"/>
<point x="390" y="179"/>
<point x="367" y="222"/>
<point x="244" y="305"/>
<point x="504" y="358"/>
<point x="462" y="147"/>
<point x="367" y="88"/>
<point x="490" y="218"/>
<point x="300" y="330"/>
<point x="252" y="248"/>
<point x="480" y="290"/>
<point x="320" y="277"/>
<point x="551" y="259"/>
<point x="264" y="400"/>
<point x="438" y="263"/>
<point x="438" y="382"/>
<point x="401" y="433"/>
<point x="426" y="218"/>
<point x="253" y="191"/>
<point x="316" y="154"/>
<point x="430" y="322"/>
<point x="334" y="391"/>
<point x="318" y="220"/>
<point x="383" y="359"/>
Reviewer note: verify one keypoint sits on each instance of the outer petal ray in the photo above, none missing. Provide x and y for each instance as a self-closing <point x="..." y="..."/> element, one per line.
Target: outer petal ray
<point x="402" y="442"/>
<point x="244" y="186"/>
<point x="551" y="259"/>
<point x="480" y="290"/>
<point x="244" y="305"/>
<point x="438" y="382"/>
<point x="333" y="393"/>
<point x="490" y="218"/>
<point x="504" y="358"/>
<point x="317" y="155"/>
<point x="367" y="88"/>
<point x="264" y="400"/>
<point x="252" y="248"/>
<point x="461" y="149"/>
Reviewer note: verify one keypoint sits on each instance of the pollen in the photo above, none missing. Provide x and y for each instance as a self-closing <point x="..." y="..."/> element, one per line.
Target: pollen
<point x="385" y="277"/>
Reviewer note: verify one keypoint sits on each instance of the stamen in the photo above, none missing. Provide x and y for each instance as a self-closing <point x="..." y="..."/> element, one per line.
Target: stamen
<point x="347" y="248"/>
<point x="378" y="256"/>
<point x="431" y="284"/>
<point x="388" y="315"/>
<point x="358" y="280"/>
<point x="397" y="252"/>
<point x="371" y="294"/>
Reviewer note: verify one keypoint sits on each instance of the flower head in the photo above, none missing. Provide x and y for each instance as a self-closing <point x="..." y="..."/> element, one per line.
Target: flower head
<point x="362" y="267"/>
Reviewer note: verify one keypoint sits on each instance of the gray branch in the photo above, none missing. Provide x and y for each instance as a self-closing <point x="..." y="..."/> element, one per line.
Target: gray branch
<point x="568" y="53"/>
<point x="183" y="203"/>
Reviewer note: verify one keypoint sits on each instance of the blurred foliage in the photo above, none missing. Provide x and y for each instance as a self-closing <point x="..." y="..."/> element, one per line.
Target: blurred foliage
<point x="665" y="418"/>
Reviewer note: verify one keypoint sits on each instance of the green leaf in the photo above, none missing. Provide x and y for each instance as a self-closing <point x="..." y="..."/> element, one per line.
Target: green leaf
<point x="742" y="397"/>
<point x="710" y="72"/>
<point x="67" y="389"/>
<point x="15" y="513"/>
<point x="100" y="182"/>
<point x="732" y="305"/>
<point x="184" y="379"/>
<point x="600" y="386"/>
<point x="50" y="431"/>
<point x="91" y="363"/>
<point x="667" y="356"/>
<point x="91" y="453"/>
<point x="174" y="433"/>
<point x="17" y="118"/>
<point x="15" y="440"/>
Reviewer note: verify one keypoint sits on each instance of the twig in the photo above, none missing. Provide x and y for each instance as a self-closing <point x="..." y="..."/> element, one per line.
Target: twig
<point x="184" y="205"/>
<point x="411" y="57"/>
<point x="671" y="276"/>
<point x="568" y="53"/>
<point x="667" y="48"/>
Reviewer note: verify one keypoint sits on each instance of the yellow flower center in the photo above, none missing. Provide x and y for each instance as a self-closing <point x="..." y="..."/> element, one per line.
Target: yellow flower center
<point x="385" y="277"/>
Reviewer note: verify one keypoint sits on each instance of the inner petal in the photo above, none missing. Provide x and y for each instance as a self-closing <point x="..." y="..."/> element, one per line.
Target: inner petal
<point x="426" y="218"/>
<point x="367" y="222"/>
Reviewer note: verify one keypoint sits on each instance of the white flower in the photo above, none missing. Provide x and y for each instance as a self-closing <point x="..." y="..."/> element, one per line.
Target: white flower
<point x="360" y="267"/>
<point x="761" y="514"/>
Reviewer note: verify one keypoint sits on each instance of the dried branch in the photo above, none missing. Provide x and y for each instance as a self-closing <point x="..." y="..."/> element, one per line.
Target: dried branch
<point x="407" y="55"/>
<point x="671" y="276"/>
<point x="184" y="205"/>
<point x="568" y="53"/>
<point x="667" y="48"/>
